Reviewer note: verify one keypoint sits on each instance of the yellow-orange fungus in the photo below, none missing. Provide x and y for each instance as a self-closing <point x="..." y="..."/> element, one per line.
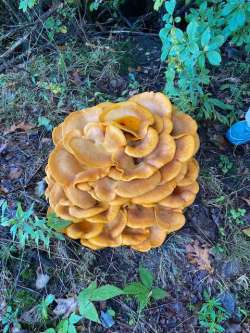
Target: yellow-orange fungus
<point x="122" y="173"/>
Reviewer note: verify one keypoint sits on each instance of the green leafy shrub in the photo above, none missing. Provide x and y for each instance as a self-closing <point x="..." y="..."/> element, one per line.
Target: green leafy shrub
<point x="93" y="294"/>
<point x="25" y="226"/>
<point x="143" y="290"/>
<point x="190" y="52"/>
<point x="236" y="215"/>
<point x="100" y="4"/>
<point x="212" y="315"/>
<point x="24" y="5"/>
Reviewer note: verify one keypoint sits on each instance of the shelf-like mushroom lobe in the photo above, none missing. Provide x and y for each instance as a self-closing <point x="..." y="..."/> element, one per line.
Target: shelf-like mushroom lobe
<point x="122" y="173"/>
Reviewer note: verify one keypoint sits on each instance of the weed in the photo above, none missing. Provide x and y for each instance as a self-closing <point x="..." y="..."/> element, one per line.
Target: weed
<point x="143" y="290"/>
<point x="66" y="325"/>
<point x="25" y="226"/>
<point x="92" y="293"/>
<point x="45" y="122"/>
<point x="235" y="216"/>
<point x="190" y="52"/>
<point x="225" y="164"/>
<point x="212" y="315"/>
<point x="9" y="320"/>
<point x="44" y="306"/>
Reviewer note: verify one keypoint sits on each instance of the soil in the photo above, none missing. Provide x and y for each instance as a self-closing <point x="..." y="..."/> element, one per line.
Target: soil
<point x="70" y="267"/>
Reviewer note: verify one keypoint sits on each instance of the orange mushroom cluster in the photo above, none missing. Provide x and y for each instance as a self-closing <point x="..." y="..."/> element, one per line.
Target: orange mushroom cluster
<point x="122" y="173"/>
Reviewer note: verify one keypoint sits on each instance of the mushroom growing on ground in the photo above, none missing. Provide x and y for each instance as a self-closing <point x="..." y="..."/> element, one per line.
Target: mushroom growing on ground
<point x="122" y="173"/>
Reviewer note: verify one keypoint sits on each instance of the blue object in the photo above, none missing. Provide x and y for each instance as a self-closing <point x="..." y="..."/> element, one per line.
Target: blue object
<point x="239" y="133"/>
<point x="106" y="319"/>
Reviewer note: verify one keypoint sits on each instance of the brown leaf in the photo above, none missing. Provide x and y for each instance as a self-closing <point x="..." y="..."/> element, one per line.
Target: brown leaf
<point x="65" y="306"/>
<point x="15" y="173"/>
<point x="41" y="279"/>
<point x="3" y="146"/>
<point x="22" y="126"/>
<point x="247" y="200"/>
<point x="246" y="231"/>
<point x="76" y="77"/>
<point x="199" y="256"/>
<point x="3" y="190"/>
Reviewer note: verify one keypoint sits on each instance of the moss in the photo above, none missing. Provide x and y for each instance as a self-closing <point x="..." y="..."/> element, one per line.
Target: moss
<point x="24" y="299"/>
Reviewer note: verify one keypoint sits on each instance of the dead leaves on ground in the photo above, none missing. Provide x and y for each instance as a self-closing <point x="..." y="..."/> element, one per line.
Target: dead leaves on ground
<point x="15" y="173"/>
<point x="22" y="126"/>
<point x="199" y="255"/>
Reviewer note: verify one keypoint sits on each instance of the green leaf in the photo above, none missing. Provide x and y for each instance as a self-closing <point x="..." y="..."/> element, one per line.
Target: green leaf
<point x="221" y="104"/>
<point x="86" y="293"/>
<point x="143" y="300"/>
<point x="170" y="6"/>
<point x="74" y="318"/>
<point x="216" y="42"/>
<point x="71" y="328"/>
<point x="45" y="122"/>
<point x="25" y="4"/>
<point x="214" y="57"/>
<point x="158" y="293"/>
<point x="62" y="326"/>
<point x="57" y="223"/>
<point x="146" y="277"/>
<point x="135" y="288"/>
<point x="50" y="330"/>
<point x="49" y="299"/>
<point x="89" y="312"/>
<point x="205" y="37"/>
<point x="192" y="29"/>
<point x="158" y="4"/>
<point x="201" y="61"/>
<point x="105" y="292"/>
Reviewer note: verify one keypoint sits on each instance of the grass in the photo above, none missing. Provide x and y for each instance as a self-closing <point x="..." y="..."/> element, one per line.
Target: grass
<point x="54" y="84"/>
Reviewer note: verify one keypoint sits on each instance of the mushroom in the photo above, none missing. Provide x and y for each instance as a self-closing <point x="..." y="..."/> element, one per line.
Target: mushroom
<point x="122" y="173"/>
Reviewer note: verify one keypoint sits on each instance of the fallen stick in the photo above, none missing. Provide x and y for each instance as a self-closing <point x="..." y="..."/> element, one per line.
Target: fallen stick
<point x="23" y="39"/>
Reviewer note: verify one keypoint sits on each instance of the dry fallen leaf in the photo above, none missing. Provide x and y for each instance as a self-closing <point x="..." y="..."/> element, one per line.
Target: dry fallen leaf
<point x="247" y="200"/>
<point x="199" y="256"/>
<point x="246" y="231"/>
<point x="76" y="78"/>
<point x="20" y="126"/>
<point x="41" y="279"/>
<point x="15" y="173"/>
<point x="65" y="306"/>
<point x="3" y="146"/>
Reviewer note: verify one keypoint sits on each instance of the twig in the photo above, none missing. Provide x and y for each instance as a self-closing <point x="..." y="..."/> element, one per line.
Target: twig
<point x="11" y="9"/>
<point x="135" y="33"/>
<point x="16" y="44"/>
<point x="23" y="39"/>
<point x="124" y="18"/>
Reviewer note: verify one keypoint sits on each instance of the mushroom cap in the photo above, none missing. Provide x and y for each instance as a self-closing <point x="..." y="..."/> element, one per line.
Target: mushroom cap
<point x="86" y="151"/>
<point x="135" y="187"/>
<point x="157" y="194"/>
<point x="145" y="146"/>
<point x="185" y="147"/>
<point x="130" y="117"/>
<point x="157" y="103"/>
<point x="131" y="236"/>
<point x="122" y="173"/>
<point x="168" y="219"/>
<point x="63" y="166"/>
<point x="164" y="151"/>
<point x="83" y="230"/>
<point x="140" y="217"/>
<point x="191" y="174"/>
<point x="183" y="124"/>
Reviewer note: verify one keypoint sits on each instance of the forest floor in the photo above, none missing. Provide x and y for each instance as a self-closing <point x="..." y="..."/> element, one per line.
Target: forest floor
<point x="210" y="254"/>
